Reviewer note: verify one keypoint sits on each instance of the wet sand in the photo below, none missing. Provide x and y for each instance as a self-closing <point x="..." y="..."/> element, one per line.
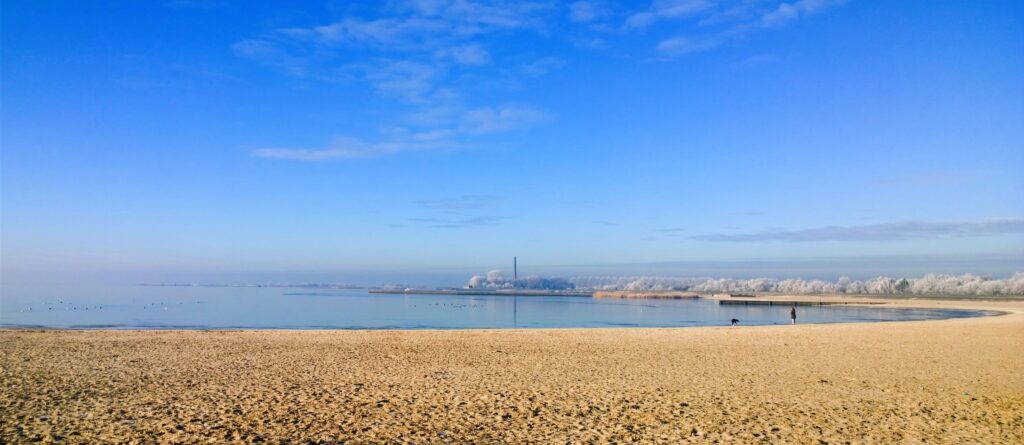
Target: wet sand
<point x="951" y="381"/>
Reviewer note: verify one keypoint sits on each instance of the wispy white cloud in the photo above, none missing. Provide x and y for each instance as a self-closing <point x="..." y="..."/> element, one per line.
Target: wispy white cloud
<point x="667" y="9"/>
<point x="303" y="154"/>
<point x="502" y="118"/>
<point x="417" y="53"/>
<point x="483" y="16"/>
<point x="426" y="55"/>
<point x="468" y="54"/>
<point x="896" y="231"/>
<point x="787" y="12"/>
<point x="458" y="223"/>
<point x="684" y="45"/>
<point x="702" y="25"/>
<point x="408" y="80"/>
<point x="271" y="54"/>
<point x="756" y="60"/>
<point x="641" y="19"/>
<point x="404" y="33"/>
<point x="463" y="202"/>
<point x="352" y="148"/>
<point x="587" y="11"/>
<point x="471" y="123"/>
<point x="541" y="66"/>
<point x="422" y="25"/>
<point x="457" y="212"/>
<point x="672" y="230"/>
<point x="192" y="4"/>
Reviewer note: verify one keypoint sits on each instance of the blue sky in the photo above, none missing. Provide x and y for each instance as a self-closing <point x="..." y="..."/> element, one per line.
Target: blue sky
<point x="351" y="139"/>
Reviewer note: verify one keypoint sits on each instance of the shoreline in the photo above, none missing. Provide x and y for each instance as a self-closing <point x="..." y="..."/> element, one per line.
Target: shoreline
<point x="987" y="308"/>
<point x="987" y="313"/>
<point x="947" y="381"/>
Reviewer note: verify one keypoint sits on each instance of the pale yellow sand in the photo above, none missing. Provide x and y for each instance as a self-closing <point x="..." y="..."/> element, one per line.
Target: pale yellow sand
<point x="955" y="381"/>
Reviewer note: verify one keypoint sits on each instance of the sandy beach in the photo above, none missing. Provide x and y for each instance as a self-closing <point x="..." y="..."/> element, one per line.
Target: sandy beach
<point x="950" y="381"/>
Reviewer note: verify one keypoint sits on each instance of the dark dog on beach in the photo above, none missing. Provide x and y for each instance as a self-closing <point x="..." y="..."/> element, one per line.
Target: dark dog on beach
<point x="734" y="321"/>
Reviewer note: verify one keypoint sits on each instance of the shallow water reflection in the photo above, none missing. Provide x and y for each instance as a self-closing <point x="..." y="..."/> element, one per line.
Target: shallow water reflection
<point x="290" y="308"/>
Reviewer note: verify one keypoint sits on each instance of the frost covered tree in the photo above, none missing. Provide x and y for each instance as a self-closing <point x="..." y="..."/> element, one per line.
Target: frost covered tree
<point x="931" y="284"/>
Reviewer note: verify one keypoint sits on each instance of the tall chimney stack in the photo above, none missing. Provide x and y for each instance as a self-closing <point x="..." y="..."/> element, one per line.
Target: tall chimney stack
<point x="515" y="269"/>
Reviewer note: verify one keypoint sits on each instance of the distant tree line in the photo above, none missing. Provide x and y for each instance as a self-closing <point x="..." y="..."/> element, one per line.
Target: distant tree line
<point x="931" y="284"/>
<point x="496" y="280"/>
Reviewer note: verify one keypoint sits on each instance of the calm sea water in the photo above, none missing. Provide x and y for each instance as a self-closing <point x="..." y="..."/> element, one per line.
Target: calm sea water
<point x="292" y="308"/>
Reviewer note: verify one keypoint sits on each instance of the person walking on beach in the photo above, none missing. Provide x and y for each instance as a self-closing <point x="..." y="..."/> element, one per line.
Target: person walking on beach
<point x="792" y="315"/>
